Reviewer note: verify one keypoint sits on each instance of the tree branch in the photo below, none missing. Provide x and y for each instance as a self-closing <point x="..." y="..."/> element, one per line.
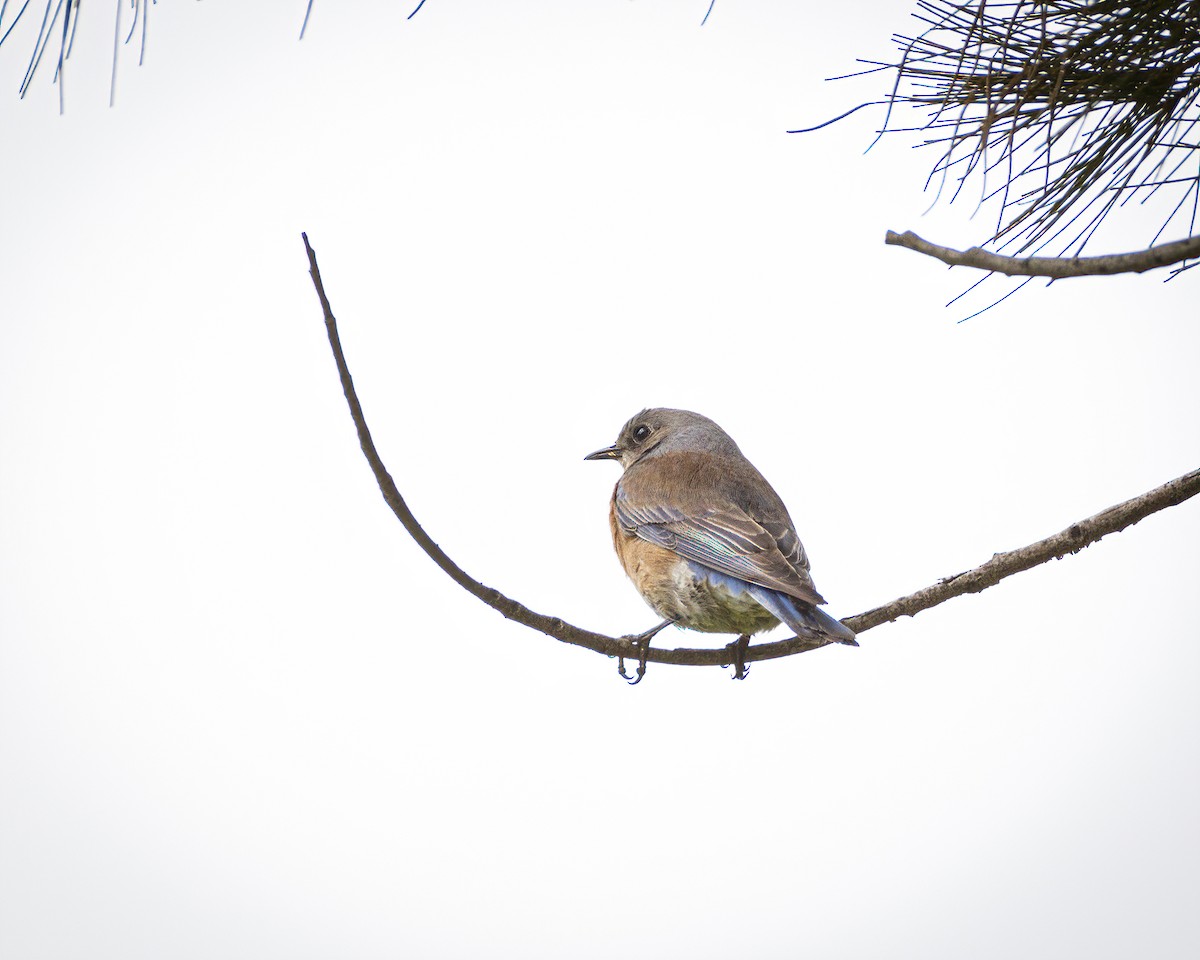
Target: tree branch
<point x="1054" y="267"/>
<point x="1074" y="107"/>
<point x="1072" y="540"/>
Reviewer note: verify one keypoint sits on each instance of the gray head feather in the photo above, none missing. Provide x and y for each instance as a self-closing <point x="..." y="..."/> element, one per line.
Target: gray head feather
<point x="663" y="430"/>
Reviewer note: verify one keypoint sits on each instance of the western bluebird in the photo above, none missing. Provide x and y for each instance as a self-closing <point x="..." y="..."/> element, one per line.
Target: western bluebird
<point x="704" y="537"/>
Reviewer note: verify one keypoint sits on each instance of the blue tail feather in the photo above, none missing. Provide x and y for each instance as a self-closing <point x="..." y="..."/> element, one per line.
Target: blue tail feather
<point x="804" y="618"/>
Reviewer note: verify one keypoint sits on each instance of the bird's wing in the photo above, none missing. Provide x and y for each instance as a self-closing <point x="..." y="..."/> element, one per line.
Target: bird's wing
<point x="729" y="540"/>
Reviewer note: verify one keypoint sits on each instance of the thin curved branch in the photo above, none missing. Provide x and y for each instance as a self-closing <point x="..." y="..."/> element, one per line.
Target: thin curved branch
<point x="1072" y="540"/>
<point x="1053" y="267"/>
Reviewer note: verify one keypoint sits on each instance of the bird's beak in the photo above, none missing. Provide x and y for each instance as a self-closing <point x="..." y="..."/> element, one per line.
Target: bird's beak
<point x="608" y="453"/>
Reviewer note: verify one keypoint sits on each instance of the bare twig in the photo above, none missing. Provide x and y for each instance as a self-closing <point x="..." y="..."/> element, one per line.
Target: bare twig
<point x="1054" y="267"/>
<point x="1072" y="540"/>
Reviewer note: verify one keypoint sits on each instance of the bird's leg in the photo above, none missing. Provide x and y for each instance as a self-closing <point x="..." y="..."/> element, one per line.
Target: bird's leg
<point x="738" y="649"/>
<point x="641" y="643"/>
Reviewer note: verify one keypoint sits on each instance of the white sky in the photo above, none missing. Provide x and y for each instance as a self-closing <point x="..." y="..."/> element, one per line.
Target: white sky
<point x="242" y="716"/>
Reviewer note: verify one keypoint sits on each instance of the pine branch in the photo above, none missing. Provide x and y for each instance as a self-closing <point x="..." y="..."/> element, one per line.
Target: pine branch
<point x="1053" y="267"/>
<point x="1078" y="105"/>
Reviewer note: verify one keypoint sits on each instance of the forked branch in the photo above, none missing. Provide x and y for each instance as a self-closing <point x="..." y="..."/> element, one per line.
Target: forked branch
<point x="1071" y="540"/>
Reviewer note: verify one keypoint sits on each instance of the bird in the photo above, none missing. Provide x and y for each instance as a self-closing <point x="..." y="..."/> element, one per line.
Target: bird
<point x="706" y="540"/>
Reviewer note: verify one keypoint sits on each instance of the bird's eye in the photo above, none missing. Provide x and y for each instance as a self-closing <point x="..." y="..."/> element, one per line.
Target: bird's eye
<point x="641" y="433"/>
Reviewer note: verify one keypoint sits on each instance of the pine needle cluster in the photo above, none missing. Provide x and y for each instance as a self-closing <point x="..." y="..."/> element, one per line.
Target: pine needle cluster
<point x="1070" y="108"/>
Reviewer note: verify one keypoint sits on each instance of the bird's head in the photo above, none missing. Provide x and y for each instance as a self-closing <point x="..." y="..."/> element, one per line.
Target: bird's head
<point x="663" y="430"/>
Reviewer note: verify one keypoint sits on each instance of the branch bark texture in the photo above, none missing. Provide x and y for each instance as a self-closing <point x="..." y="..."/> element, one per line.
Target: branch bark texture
<point x="1053" y="267"/>
<point x="1071" y="540"/>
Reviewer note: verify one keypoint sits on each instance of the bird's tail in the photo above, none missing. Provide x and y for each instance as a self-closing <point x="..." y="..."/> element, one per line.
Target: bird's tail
<point x="804" y="618"/>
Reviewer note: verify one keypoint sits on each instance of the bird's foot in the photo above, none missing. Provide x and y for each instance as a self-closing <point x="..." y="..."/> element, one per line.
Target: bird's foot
<point x="737" y="650"/>
<point x="641" y="643"/>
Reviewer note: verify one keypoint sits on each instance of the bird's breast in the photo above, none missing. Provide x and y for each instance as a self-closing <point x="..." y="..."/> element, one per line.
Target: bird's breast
<point x="687" y="592"/>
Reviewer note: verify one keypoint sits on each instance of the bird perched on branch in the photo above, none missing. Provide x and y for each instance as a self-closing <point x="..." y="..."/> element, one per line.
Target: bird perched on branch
<point x="704" y="537"/>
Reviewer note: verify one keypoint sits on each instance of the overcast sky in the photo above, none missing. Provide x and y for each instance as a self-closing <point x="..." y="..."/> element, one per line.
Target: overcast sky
<point x="243" y="716"/>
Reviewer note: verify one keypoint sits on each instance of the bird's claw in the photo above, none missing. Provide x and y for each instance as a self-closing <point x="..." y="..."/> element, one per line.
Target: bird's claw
<point x="643" y="650"/>
<point x="737" y="650"/>
<point x="641" y="643"/>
